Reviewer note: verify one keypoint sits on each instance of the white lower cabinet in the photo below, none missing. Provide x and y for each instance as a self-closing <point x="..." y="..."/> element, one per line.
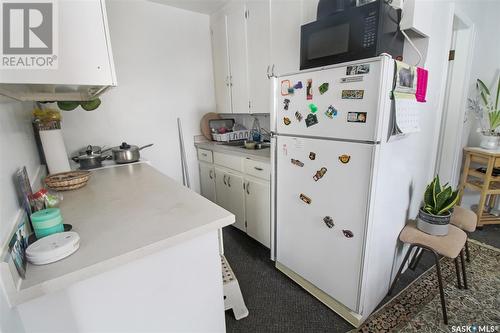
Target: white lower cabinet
<point x="245" y="194"/>
<point x="207" y="181"/>
<point x="230" y="195"/>
<point x="258" y="210"/>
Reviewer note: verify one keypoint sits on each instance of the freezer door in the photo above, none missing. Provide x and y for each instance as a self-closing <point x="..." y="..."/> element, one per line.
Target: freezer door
<point x="306" y="194"/>
<point x="353" y="116"/>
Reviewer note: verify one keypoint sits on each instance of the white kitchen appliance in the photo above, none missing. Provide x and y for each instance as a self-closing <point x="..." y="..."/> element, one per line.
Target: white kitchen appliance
<point x="341" y="187"/>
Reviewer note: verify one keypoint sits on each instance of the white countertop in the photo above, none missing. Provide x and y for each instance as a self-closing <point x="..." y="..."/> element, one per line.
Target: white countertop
<point x="255" y="154"/>
<point x="124" y="213"/>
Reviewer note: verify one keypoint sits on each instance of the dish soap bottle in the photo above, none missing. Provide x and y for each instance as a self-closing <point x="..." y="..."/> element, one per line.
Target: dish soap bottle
<point x="256" y="132"/>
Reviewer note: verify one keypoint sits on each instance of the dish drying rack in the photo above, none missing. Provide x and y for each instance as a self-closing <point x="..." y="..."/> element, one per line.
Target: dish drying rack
<point x="231" y="136"/>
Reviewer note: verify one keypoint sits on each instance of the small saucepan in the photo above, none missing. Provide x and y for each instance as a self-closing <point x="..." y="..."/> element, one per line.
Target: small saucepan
<point x="127" y="153"/>
<point x="90" y="158"/>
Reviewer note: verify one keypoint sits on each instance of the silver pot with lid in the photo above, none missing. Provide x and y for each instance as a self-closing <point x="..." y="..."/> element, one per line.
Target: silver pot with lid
<point x="90" y="158"/>
<point x="126" y="153"/>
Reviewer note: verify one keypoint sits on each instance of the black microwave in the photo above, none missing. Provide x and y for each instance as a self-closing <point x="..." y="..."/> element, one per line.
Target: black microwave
<point x="351" y="34"/>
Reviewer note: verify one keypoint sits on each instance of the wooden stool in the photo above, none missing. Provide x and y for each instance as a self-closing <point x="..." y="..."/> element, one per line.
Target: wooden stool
<point x="466" y="220"/>
<point x="450" y="246"/>
<point x="233" y="299"/>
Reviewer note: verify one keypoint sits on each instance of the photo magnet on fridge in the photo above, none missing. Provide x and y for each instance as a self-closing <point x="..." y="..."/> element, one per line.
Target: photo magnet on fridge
<point x="309" y="89"/>
<point x="352" y="94"/>
<point x="358" y="69"/>
<point x="356" y="117"/>
<point x="297" y="162"/>
<point x="319" y="174"/>
<point x="331" y="112"/>
<point x="285" y="85"/>
<point x="323" y="88"/>
<point x="344" y="158"/>
<point x="287" y="121"/>
<point x="305" y="198"/>
<point x="298" y="115"/>
<point x="286" y="104"/>
<point x="311" y="120"/>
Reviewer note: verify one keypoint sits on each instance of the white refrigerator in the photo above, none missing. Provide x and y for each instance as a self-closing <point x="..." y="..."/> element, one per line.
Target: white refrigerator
<point x="336" y="216"/>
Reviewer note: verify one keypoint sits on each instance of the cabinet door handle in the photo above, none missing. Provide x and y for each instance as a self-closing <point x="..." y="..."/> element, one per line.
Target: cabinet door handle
<point x="229" y="181"/>
<point x="272" y="71"/>
<point x="210" y="174"/>
<point x="258" y="169"/>
<point x="267" y="72"/>
<point x="248" y="188"/>
<point x="224" y="180"/>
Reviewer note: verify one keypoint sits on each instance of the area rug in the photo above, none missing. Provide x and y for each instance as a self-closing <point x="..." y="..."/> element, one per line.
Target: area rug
<point x="417" y="308"/>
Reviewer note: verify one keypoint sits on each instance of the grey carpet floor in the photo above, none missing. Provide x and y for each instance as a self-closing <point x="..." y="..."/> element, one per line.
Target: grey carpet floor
<point x="277" y="304"/>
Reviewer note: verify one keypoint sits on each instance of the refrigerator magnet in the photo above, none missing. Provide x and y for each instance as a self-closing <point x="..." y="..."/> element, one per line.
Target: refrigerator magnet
<point x="348" y="233"/>
<point x="352" y="94"/>
<point x="350" y="79"/>
<point x="323" y="88"/>
<point x="297" y="162"/>
<point x="285" y="85"/>
<point x="313" y="107"/>
<point x="311" y="120"/>
<point x="298" y="85"/>
<point x="287" y="121"/>
<point x="286" y="104"/>
<point x="358" y="69"/>
<point x="331" y="112"/>
<point x="298" y="115"/>
<point x="344" y="158"/>
<point x="319" y="174"/>
<point x="305" y="198"/>
<point x="309" y="89"/>
<point x="290" y="91"/>
<point x="328" y="221"/>
<point x="356" y="117"/>
<point x="312" y="156"/>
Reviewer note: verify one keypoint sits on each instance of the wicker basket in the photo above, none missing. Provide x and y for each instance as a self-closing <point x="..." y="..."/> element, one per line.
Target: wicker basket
<point x="66" y="181"/>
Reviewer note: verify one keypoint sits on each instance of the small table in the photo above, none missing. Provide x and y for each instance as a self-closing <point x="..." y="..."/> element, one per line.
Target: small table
<point x="485" y="183"/>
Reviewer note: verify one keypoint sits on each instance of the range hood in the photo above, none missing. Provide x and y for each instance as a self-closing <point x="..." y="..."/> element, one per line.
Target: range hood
<point x="77" y="64"/>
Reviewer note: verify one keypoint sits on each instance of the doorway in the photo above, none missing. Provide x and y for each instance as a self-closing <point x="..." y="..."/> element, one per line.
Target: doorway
<point x="454" y="132"/>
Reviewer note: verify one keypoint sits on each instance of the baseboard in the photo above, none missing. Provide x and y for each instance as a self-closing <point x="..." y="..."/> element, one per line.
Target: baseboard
<point x="353" y="318"/>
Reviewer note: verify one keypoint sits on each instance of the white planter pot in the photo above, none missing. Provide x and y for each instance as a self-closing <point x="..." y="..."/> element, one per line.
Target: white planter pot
<point x="432" y="224"/>
<point x="490" y="142"/>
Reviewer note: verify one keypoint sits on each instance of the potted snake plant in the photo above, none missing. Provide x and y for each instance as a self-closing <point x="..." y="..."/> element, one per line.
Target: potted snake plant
<point x="434" y="216"/>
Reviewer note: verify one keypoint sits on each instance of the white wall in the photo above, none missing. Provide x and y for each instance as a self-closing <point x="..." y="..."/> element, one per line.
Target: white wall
<point x="163" y="63"/>
<point x="17" y="148"/>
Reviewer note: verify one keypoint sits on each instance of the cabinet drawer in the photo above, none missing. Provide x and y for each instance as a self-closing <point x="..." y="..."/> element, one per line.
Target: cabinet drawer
<point x="258" y="169"/>
<point x="229" y="161"/>
<point x="205" y="155"/>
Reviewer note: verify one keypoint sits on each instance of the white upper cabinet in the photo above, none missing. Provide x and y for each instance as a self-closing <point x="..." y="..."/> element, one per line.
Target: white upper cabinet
<point x="259" y="55"/>
<point x="81" y="50"/>
<point x="286" y="19"/>
<point x="237" y="56"/>
<point x="218" y="24"/>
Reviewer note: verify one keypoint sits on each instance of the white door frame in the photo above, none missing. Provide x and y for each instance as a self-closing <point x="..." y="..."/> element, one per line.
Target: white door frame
<point x="450" y="146"/>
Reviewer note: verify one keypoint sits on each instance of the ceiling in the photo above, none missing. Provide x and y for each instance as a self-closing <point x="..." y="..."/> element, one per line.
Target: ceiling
<point x="200" y="6"/>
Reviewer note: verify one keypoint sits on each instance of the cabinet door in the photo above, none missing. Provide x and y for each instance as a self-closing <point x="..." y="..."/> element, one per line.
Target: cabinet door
<point x="237" y="56"/>
<point x="230" y="195"/>
<point x="218" y="24"/>
<point x="259" y="49"/>
<point x="286" y="19"/>
<point x="258" y="210"/>
<point x="207" y="181"/>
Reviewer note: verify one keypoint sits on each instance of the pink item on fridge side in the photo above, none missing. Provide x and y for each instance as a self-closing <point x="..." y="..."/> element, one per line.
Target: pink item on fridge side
<point x="422" y="75"/>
